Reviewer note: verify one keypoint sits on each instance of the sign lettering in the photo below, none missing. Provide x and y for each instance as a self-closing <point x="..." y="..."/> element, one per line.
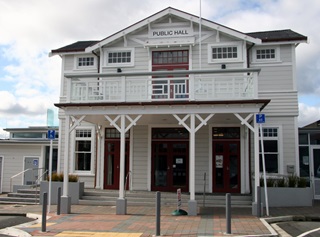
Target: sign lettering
<point x="162" y="33"/>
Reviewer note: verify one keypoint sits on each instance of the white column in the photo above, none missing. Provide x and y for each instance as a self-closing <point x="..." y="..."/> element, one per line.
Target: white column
<point x="192" y="157"/>
<point x="122" y="156"/>
<point x="256" y="159"/>
<point x="66" y="157"/>
<point x="98" y="160"/>
<point x="65" y="199"/>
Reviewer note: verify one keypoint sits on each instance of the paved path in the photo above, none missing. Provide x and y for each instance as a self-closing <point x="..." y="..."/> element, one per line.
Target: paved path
<point x="140" y="221"/>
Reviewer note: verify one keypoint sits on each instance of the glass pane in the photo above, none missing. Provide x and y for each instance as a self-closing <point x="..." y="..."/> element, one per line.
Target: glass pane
<point x="233" y="148"/>
<point x="271" y="162"/>
<point x="181" y="148"/>
<point x="303" y="138"/>
<point x="315" y="139"/>
<point x="110" y="170"/>
<point x="304" y="161"/>
<point x="168" y="133"/>
<point x="316" y="162"/>
<point x="269" y="146"/>
<point x="179" y="170"/>
<point x="219" y="148"/>
<point x="233" y="169"/>
<point x="226" y="133"/>
<point x="160" y="172"/>
<point x="111" y="147"/>
<point x="83" y="161"/>
<point x="219" y="178"/>
<point x="83" y="145"/>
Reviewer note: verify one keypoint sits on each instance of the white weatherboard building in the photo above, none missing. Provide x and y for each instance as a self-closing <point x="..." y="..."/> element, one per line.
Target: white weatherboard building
<point x="24" y="156"/>
<point x="167" y="101"/>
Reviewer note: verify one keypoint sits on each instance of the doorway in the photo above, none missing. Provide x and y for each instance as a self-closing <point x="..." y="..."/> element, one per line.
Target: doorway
<point x="112" y="159"/>
<point x="170" y="160"/>
<point x="31" y="164"/>
<point x="315" y="152"/>
<point x="226" y="160"/>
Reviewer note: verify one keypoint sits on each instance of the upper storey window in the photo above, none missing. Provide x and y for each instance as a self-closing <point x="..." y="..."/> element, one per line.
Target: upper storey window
<point x="85" y="62"/>
<point x="266" y="54"/>
<point x="225" y="52"/>
<point x="119" y="57"/>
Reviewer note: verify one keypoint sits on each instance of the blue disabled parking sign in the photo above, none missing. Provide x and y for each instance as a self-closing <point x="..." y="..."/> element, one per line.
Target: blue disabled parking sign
<point x="51" y="134"/>
<point x="260" y="118"/>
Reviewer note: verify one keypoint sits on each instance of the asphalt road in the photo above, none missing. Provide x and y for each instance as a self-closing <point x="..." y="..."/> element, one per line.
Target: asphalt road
<point x="296" y="228"/>
<point x="12" y="220"/>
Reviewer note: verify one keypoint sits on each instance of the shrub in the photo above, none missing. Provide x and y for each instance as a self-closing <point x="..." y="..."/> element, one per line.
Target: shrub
<point x="293" y="181"/>
<point x="302" y="182"/>
<point x="281" y="182"/>
<point x="271" y="182"/>
<point x="58" y="177"/>
<point x="73" y="178"/>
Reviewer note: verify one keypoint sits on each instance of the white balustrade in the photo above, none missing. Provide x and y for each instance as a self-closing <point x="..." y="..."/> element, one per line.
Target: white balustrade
<point x="201" y="87"/>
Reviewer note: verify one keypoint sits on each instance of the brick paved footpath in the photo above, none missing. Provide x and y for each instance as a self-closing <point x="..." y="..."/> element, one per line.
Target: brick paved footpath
<point x="139" y="221"/>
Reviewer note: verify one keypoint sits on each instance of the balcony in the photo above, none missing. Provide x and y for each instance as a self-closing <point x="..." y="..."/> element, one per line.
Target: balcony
<point x="204" y="85"/>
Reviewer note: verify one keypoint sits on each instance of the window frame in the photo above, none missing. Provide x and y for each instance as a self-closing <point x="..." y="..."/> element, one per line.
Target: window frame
<point x="266" y="60"/>
<point x="92" y="151"/>
<point x="77" y="58"/>
<point x="237" y="44"/>
<point x="118" y="50"/>
<point x="279" y="145"/>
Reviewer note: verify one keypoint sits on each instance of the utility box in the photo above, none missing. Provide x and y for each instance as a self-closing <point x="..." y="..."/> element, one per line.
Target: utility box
<point x="290" y="169"/>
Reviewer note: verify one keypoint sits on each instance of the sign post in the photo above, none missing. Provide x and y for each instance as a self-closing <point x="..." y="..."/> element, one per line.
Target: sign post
<point x="260" y="119"/>
<point x="179" y="211"/>
<point x="51" y="137"/>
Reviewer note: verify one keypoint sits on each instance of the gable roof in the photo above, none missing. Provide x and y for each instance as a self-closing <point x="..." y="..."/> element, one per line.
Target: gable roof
<point x="278" y="36"/>
<point x="172" y="11"/>
<point x="286" y="35"/>
<point x="79" y="46"/>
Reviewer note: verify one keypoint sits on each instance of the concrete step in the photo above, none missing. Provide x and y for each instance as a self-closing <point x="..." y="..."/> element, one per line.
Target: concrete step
<point x="22" y="196"/>
<point x="144" y="198"/>
<point x="19" y="200"/>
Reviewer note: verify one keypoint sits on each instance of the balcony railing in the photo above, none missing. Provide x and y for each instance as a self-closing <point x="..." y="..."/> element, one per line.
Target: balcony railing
<point x="209" y="85"/>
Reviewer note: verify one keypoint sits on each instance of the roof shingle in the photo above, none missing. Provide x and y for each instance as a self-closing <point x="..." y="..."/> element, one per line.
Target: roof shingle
<point x="277" y="35"/>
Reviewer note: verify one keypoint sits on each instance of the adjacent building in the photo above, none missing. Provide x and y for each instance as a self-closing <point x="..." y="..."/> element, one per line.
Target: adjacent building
<point x="175" y="99"/>
<point x="24" y="156"/>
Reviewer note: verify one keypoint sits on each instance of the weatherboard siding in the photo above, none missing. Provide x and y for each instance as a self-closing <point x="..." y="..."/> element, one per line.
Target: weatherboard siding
<point x="287" y="141"/>
<point x="13" y="162"/>
<point x="140" y="158"/>
<point x="282" y="103"/>
<point x="202" y="159"/>
<point x="276" y="78"/>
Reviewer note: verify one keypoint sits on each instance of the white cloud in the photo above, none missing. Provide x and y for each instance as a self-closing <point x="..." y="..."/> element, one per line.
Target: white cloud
<point x="308" y="114"/>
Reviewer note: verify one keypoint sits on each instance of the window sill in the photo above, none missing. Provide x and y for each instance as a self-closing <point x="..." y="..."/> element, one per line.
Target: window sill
<point x="83" y="173"/>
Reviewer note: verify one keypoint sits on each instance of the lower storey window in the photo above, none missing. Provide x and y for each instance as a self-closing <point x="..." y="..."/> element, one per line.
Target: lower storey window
<point x="83" y="150"/>
<point x="271" y="150"/>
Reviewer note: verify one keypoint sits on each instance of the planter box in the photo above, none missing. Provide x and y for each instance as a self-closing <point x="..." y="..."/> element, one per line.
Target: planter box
<point x="288" y="197"/>
<point x="76" y="190"/>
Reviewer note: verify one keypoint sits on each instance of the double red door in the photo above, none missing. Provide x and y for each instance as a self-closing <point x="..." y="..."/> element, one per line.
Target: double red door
<point x="170" y="165"/>
<point x="226" y="166"/>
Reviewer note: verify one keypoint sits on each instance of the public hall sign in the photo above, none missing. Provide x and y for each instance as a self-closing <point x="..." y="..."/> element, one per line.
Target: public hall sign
<point x="173" y="32"/>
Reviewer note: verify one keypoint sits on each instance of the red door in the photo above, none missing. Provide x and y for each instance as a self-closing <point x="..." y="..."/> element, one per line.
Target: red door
<point x="170" y="165"/>
<point x="226" y="166"/>
<point x="112" y="164"/>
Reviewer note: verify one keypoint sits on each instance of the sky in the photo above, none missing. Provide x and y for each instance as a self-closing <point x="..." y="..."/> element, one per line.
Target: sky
<point x="29" y="30"/>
